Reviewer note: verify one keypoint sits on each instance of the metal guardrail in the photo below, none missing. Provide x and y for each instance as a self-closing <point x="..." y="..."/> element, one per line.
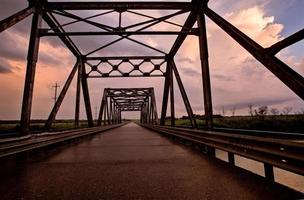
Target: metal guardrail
<point x="254" y="132"/>
<point x="14" y="147"/>
<point x="283" y="153"/>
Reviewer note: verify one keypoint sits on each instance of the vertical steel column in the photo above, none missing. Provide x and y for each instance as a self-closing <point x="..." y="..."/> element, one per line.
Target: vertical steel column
<point x="165" y="97"/>
<point x="108" y="114"/>
<point x="105" y="113"/>
<point x="184" y="95"/>
<point x="101" y="110"/>
<point x="172" y="97"/>
<point x="59" y="101"/>
<point x="205" y="70"/>
<point x="154" y="106"/>
<point x="32" y="58"/>
<point x="152" y="113"/>
<point x="142" y="114"/>
<point x="147" y="108"/>
<point x="86" y="95"/>
<point x="148" y="111"/>
<point x="119" y="115"/>
<point x="115" y="112"/>
<point x="111" y="111"/>
<point x="78" y="91"/>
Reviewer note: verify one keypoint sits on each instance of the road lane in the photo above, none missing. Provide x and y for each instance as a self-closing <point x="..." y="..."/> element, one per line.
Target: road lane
<point x="130" y="162"/>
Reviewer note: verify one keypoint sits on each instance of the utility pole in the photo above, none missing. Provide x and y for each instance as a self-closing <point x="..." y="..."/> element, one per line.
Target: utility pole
<point x="56" y="86"/>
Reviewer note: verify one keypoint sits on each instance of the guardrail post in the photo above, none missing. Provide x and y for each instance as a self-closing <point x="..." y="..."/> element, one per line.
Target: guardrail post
<point x="211" y="151"/>
<point x="231" y="158"/>
<point x="268" y="169"/>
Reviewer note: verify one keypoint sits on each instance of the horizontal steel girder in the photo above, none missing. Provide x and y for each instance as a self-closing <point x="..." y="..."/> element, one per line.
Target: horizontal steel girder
<point x="44" y="32"/>
<point x="126" y="57"/>
<point x="119" y="5"/>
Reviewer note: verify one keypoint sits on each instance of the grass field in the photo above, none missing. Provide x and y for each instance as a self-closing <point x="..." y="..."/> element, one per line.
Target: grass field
<point x="282" y="123"/>
<point x="290" y="123"/>
<point x="37" y="125"/>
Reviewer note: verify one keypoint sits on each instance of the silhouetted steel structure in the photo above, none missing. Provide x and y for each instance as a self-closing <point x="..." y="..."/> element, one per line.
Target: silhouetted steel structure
<point x="163" y="65"/>
<point x="44" y="10"/>
<point x="117" y="100"/>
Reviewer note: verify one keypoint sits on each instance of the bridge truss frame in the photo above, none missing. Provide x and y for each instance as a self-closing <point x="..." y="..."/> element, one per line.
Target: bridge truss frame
<point x="281" y="154"/>
<point x="44" y="10"/>
<point x="118" y="100"/>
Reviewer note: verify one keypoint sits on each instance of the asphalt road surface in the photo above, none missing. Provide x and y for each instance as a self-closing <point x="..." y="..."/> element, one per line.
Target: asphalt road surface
<point x="130" y="162"/>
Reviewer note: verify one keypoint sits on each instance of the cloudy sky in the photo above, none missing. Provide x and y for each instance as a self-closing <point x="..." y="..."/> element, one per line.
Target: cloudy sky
<point x="237" y="78"/>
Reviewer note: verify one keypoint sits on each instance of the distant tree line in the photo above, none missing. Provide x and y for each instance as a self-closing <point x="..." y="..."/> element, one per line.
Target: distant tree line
<point x="253" y="111"/>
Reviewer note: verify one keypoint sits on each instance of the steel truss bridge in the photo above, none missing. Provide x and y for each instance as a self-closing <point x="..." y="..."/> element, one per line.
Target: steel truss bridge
<point x="115" y="101"/>
<point x="282" y="150"/>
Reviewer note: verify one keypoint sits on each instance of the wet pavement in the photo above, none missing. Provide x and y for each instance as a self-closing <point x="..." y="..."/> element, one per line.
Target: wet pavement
<point x="130" y="162"/>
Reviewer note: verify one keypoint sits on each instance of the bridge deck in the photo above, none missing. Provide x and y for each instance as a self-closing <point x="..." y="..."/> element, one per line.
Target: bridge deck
<point x="131" y="162"/>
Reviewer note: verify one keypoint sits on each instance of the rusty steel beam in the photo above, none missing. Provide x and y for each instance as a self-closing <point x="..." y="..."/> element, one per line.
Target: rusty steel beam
<point x="154" y="107"/>
<point x="294" y="38"/>
<point x="172" y="96"/>
<point x="73" y="16"/>
<point x="154" y="18"/>
<point x="288" y="76"/>
<point x="78" y="92"/>
<point x="101" y="110"/>
<point x="59" y="101"/>
<point x="15" y="18"/>
<point x="44" y="32"/>
<point x="126" y="57"/>
<point x="32" y="58"/>
<point x="65" y="39"/>
<point x="124" y="36"/>
<point x="203" y="46"/>
<point x="119" y="5"/>
<point x="165" y="97"/>
<point x="125" y="76"/>
<point x="184" y="95"/>
<point x="190" y="21"/>
<point x="86" y="95"/>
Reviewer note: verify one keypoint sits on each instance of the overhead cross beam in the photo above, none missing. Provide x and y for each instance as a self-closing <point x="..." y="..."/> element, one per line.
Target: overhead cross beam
<point x="120" y="33"/>
<point x="119" y="5"/>
<point x="139" y="67"/>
